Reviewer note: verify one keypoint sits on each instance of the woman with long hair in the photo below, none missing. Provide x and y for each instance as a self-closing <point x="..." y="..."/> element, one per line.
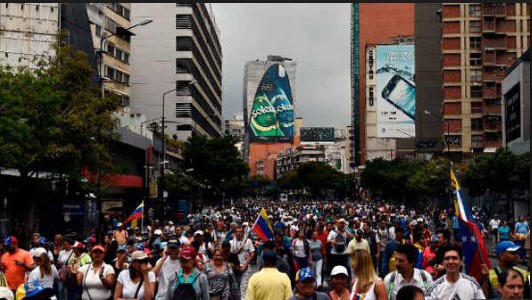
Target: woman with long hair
<point x="222" y="282"/>
<point x="366" y="284"/>
<point x="302" y="253"/>
<point x="136" y="282"/>
<point x="189" y="281"/>
<point x="97" y="278"/>
<point x="45" y="272"/>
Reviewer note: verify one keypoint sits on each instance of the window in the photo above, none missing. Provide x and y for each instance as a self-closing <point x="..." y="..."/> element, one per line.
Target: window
<point x="476" y="107"/>
<point x="22" y="6"/>
<point x="474" y="10"/>
<point x="52" y="9"/>
<point x="98" y="30"/>
<point x="475" y="75"/>
<point x="118" y="53"/>
<point x="477" y="125"/>
<point x="111" y="49"/>
<point x="475" y="42"/>
<point x="475" y="26"/>
<point x="126" y="13"/>
<point x="475" y="91"/>
<point x="126" y="57"/>
<point x="110" y="73"/>
<point x="477" y="141"/>
<point x="475" y="59"/>
<point x="37" y="7"/>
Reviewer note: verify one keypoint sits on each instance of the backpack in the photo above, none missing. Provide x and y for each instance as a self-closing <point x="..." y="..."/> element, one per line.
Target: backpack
<point x="184" y="290"/>
<point x="339" y="247"/>
<point x="392" y="282"/>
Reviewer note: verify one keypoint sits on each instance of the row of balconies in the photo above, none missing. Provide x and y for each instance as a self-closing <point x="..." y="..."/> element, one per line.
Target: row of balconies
<point x="494" y="10"/>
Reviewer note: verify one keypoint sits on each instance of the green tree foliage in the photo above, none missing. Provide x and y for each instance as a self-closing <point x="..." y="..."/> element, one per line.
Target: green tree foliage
<point x="430" y="179"/>
<point x="320" y="178"/>
<point x="53" y="119"/>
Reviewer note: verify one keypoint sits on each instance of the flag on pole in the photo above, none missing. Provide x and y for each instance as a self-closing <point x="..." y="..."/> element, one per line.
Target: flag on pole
<point x="138" y="213"/>
<point x="262" y="227"/>
<point x="473" y="243"/>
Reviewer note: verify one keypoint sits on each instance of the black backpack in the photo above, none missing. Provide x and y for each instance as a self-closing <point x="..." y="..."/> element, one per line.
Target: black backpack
<point x="185" y="291"/>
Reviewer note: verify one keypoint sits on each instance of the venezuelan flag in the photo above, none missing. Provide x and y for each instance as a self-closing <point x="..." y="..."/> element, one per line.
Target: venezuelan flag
<point x="138" y="213"/>
<point x="475" y="251"/>
<point x="262" y="227"/>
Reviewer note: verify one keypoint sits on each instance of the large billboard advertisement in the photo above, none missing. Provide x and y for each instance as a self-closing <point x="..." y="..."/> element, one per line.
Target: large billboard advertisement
<point x="317" y="135"/>
<point x="396" y="92"/>
<point x="272" y="112"/>
<point x="512" y="111"/>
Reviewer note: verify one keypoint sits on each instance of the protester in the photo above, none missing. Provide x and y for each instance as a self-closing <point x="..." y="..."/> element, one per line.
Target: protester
<point x="306" y="287"/>
<point x="338" y="239"/>
<point x="96" y="278"/>
<point x="269" y="283"/>
<point x="136" y="282"/>
<point x="243" y="247"/>
<point x="317" y="249"/>
<point x="410" y="292"/>
<point x="189" y="282"/>
<point x="339" y="284"/>
<point x="165" y="269"/>
<point x="366" y="283"/>
<point x="222" y="282"/>
<point x="15" y="262"/>
<point x="511" y="284"/>
<point x="45" y="272"/>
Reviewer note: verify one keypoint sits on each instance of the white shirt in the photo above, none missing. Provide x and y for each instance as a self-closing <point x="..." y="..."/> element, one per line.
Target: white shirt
<point x="50" y="255"/>
<point x="400" y="281"/>
<point x="465" y="288"/>
<point x="129" y="288"/>
<point x="494" y="223"/>
<point x="63" y="256"/>
<point x="166" y="275"/>
<point x="332" y="236"/>
<point x="247" y="250"/>
<point x="47" y="281"/>
<point x="93" y="283"/>
<point x="299" y="248"/>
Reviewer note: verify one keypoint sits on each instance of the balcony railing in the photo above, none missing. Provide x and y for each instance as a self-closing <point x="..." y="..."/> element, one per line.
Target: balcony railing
<point x="477" y="145"/>
<point x="492" y="143"/>
<point x="494" y="10"/>
<point x="494" y="43"/>
<point x="491" y="126"/>
<point x="489" y="58"/>
<point x="488" y="25"/>
<point x="492" y="109"/>
<point x="489" y="93"/>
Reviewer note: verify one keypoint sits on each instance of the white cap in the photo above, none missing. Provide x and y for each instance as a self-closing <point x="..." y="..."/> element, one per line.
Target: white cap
<point x="38" y="252"/>
<point x="200" y="232"/>
<point x="339" y="270"/>
<point x="6" y="293"/>
<point x="157" y="232"/>
<point x="170" y="223"/>
<point x="413" y="223"/>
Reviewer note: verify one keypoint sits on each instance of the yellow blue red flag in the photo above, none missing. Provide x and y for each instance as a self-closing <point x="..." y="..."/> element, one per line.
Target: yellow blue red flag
<point x="262" y="227"/>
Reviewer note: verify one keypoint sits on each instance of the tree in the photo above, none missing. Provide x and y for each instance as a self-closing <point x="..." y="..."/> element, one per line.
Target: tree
<point x="320" y="178"/>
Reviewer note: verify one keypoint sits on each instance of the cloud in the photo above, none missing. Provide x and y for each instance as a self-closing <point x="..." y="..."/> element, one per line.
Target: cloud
<point x="315" y="35"/>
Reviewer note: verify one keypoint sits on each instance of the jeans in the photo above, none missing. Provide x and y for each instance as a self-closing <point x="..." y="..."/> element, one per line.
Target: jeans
<point x="317" y="269"/>
<point x="302" y="262"/>
<point x="60" y="290"/>
<point x="244" y="283"/>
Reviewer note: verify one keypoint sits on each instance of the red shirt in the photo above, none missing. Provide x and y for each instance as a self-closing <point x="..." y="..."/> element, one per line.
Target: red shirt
<point x="323" y="238"/>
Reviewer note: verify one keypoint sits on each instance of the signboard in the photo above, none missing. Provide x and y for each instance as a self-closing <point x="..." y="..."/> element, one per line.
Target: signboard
<point x="512" y="102"/>
<point x="317" y="134"/>
<point x="395" y="93"/>
<point x="272" y="113"/>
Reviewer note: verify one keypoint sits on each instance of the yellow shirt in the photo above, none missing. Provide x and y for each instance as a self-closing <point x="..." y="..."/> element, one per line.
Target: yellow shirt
<point x="269" y="284"/>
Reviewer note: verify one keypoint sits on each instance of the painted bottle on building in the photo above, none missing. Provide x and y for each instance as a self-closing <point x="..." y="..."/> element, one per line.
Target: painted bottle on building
<point x="285" y="113"/>
<point x="263" y="117"/>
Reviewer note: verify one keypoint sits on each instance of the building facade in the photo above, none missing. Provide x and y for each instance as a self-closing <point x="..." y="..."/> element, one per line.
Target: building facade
<point x="259" y="79"/>
<point x="27" y="32"/>
<point x="371" y="23"/>
<point x="479" y="42"/>
<point x="188" y="58"/>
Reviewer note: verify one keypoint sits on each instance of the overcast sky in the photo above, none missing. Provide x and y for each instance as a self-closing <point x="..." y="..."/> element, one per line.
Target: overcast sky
<point x="315" y="35"/>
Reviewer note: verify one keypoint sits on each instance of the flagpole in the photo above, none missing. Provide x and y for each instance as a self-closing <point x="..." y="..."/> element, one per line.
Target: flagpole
<point x="142" y="219"/>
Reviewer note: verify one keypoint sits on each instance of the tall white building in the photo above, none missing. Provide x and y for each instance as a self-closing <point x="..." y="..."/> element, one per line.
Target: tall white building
<point x="179" y="50"/>
<point x="27" y="30"/>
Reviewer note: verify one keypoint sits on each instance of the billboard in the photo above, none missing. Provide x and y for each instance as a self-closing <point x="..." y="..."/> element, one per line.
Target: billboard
<point x="512" y="102"/>
<point x="317" y="135"/>
<point x="395" y="94"/>
<point x="272" y="112"/>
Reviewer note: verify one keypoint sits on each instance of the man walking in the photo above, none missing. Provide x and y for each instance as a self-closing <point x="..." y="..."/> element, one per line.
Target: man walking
<point x="15" y="263"/>
<point x="243" y="247"/>
<point x="269" y="283"/>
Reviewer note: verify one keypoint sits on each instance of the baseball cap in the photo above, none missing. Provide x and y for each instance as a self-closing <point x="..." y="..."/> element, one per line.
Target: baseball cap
<point x="304" y="274"/>
<point x="38" y="252"/>
<point x="359" y="232"/>
<point x="506" y="246"/>
<point x="98" y="247"/>
<point x="6" y="293"/>
<point x="31" y="289"/>
<point x="10" y="240"/>
<point x="187" y="253"/>
<point x="157" y="232"/>
<point x="200" y="232"/>
<point x="138" y="255"/>
<point x="342" y="220"/>
<point x="78" y="245"/>
<point x="90" y="239"/>
<point x="337" y="270"/>
<point x="173" y="244"/>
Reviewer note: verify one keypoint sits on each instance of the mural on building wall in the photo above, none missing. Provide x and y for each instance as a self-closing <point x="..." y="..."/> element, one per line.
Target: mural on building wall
<point x="272" y="113"/>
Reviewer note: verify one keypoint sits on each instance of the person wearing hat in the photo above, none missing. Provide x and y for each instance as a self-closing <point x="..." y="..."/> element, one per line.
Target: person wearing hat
<point x="359" y="242"/>
<point x="136" y="282"/>
<point x="338" y="239"/>
<point x="507" y="253"/>
<point x="339" y="283"/>
<point x="44" y="272"/>
<point x="306" y="286"/>
<point x="166" y="267"/>
<point x="203" y="248"/>
<point x="33" y="290"/>
<point x="15" y="262"/>
<point x="78" y="259"/>
<point x="120" y="235"/>
<point x="188" y="281"/>
<point x="269" y="282"/>
<point x="96" y="278"/>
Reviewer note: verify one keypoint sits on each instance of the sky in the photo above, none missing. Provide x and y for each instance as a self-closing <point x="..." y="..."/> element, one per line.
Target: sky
<point x="315" y="35"/>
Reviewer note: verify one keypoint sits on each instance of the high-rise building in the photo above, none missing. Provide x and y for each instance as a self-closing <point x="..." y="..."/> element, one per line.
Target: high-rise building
<point x="27" y="30"/>
<point x="371" y="23"/>
<point x="179" y="50"/>
<point x="268" y="104"/>
<point x="109" y="23"/>
<point x="479" y="42"/>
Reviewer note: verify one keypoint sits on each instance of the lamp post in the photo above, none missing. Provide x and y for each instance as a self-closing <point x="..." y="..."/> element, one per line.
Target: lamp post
<point x="101" y="51"/>
<point x="163" y="150"/>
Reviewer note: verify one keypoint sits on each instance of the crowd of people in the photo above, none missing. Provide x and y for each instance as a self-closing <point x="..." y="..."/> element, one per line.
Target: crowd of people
<point x="349" y="250"/>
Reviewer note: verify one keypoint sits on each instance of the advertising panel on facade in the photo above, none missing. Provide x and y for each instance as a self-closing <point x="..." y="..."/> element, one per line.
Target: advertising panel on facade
<point x="272" y="112"/>
<point x="395" y="94"/>
<point x="317" y="135"/>
<point x="512" y="102"/>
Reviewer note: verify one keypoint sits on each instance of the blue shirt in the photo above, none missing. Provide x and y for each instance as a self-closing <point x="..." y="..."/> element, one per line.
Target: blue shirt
<point x="521" y="227"/>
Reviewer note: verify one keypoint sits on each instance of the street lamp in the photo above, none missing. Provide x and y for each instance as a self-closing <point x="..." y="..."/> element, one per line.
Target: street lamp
<point x="101" y="51"/>
<point x="163" y="144"/>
